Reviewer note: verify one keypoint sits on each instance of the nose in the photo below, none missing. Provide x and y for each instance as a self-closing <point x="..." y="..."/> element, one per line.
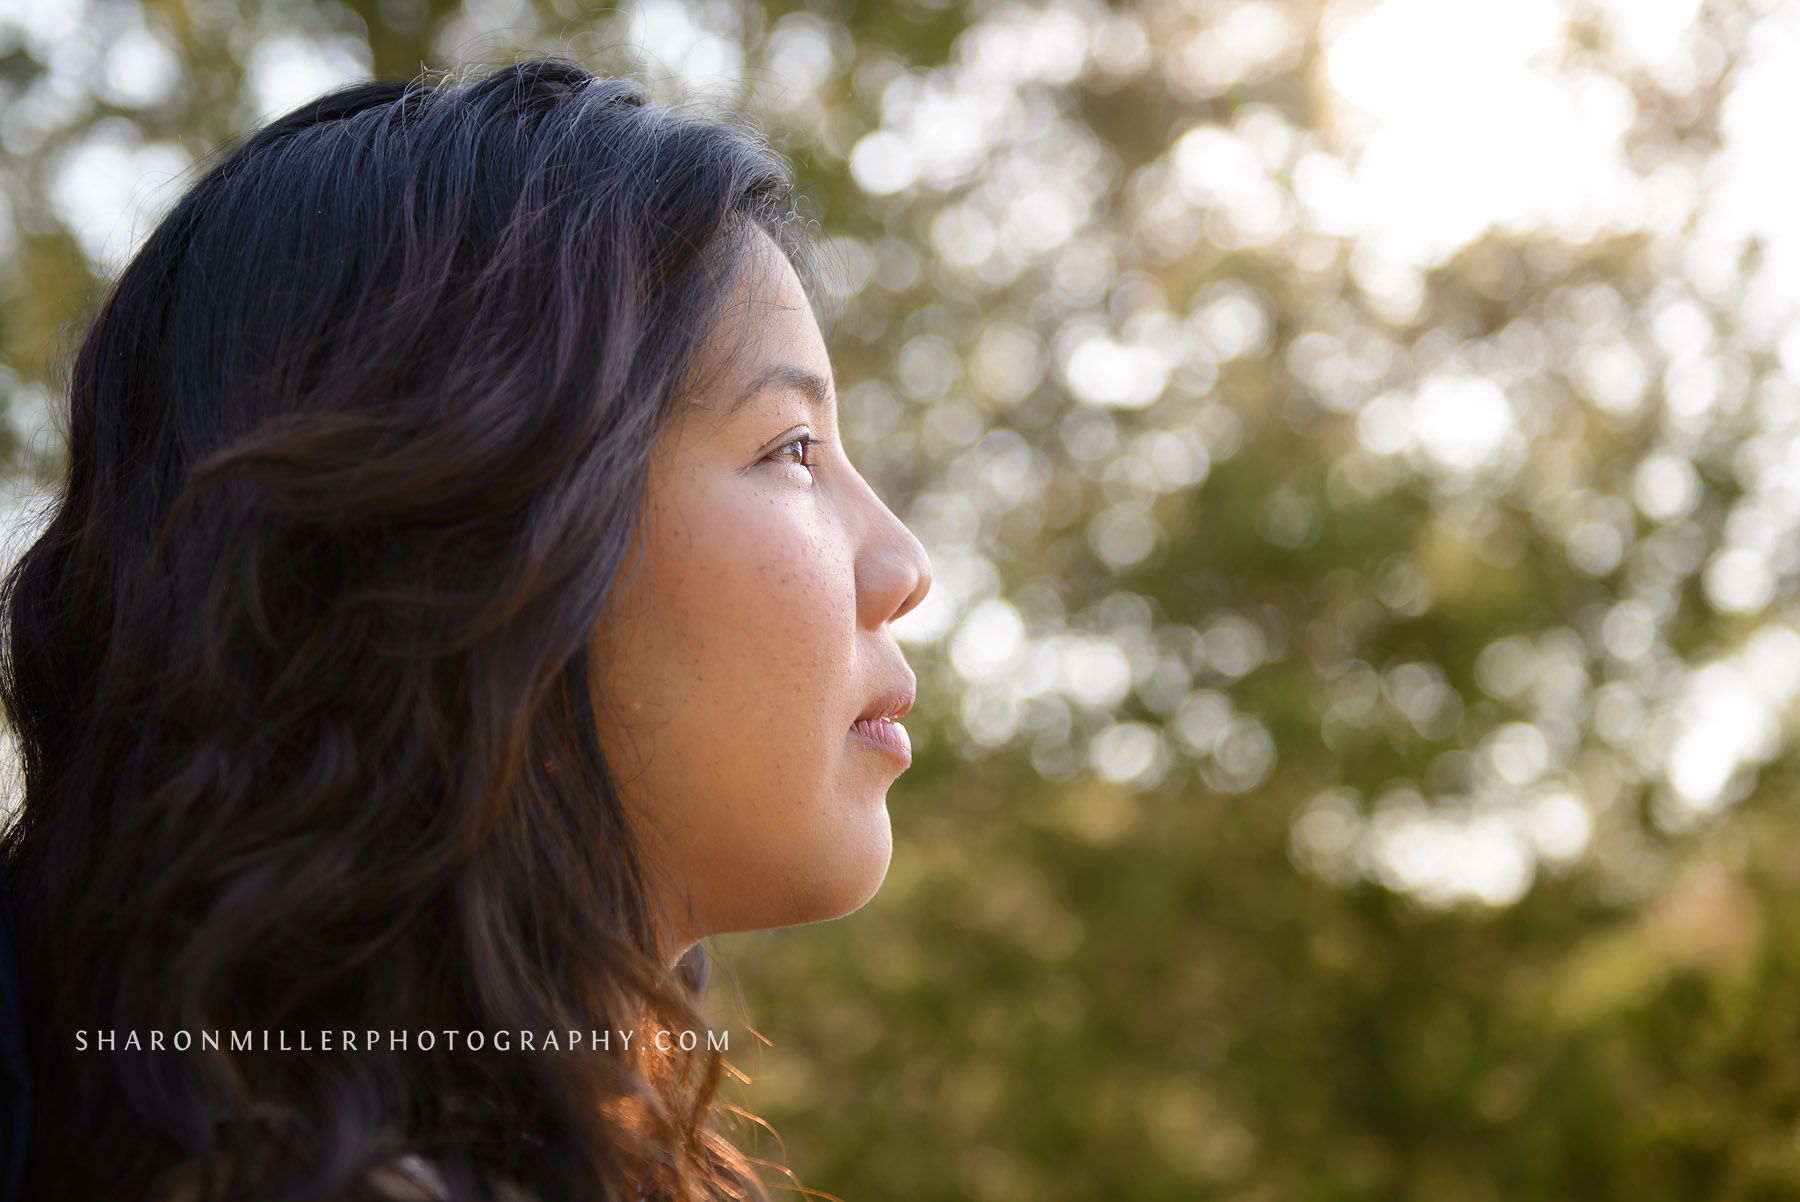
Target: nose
<point x="893" y="573"/>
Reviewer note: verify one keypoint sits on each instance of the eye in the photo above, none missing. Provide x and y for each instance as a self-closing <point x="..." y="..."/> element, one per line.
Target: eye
<point x="801" y="450"/>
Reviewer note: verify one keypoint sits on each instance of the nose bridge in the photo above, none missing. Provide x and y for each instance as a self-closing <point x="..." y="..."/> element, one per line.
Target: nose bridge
<point x="893" y="573"/>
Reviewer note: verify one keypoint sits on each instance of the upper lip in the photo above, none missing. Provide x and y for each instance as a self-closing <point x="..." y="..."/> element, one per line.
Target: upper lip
<point x="892" y="702"/>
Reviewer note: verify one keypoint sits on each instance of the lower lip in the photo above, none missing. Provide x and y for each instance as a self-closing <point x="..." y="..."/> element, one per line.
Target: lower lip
<point x="891" y="737"/>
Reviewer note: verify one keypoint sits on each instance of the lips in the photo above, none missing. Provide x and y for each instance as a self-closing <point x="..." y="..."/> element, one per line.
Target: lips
<point x="893" y="703"/>
<point x="879" y="723"/>
<point x="887" y="734"/>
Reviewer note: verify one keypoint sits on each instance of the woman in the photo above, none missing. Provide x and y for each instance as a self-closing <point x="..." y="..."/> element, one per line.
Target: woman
<point x="458" y="605"/>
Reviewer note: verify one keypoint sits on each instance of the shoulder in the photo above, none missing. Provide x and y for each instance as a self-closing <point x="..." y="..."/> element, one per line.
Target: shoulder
<point x="412" y="1178"/>
<point x="409" y="1178"/>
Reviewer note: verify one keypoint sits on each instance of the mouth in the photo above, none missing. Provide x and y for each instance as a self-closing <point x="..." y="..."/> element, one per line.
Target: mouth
<point x="887" y="734"/>
<point x="880" y="726"/>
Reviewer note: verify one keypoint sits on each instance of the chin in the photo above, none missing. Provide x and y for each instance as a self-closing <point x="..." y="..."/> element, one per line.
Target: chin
<point x="856" y="870"/>
<point x="834" y="873"/>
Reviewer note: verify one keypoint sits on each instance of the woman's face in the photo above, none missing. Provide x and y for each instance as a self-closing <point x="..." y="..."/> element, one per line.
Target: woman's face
<point x="742" y="663"/>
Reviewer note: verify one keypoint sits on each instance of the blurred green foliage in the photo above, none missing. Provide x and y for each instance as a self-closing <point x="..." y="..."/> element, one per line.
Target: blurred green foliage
<point x="1358" y="455"/>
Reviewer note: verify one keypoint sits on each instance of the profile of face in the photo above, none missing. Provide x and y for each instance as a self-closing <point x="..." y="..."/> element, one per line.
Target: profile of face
<point x="745" y="673"/>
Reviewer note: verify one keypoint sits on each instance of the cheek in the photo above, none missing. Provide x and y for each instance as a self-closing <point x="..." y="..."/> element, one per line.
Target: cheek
<point x="760" y="608"/>
<point x="765" y="812"/>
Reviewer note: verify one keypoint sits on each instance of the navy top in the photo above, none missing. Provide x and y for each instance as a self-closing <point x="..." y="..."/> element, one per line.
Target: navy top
<point x="15" y="1080"/>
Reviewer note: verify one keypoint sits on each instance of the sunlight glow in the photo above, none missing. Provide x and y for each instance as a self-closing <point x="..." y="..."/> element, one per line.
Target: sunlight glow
<point x="1507" y="140"/>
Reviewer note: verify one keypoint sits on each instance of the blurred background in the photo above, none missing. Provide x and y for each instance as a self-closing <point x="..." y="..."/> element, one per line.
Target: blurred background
<point x="1359" y="448"/>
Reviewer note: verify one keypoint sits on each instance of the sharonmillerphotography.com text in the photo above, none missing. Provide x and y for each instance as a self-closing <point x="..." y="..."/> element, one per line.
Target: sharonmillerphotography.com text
<point x="182" y="1040"/>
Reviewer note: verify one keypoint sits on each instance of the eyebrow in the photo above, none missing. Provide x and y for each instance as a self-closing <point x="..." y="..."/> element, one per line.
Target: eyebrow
<point x="817" y="390"/>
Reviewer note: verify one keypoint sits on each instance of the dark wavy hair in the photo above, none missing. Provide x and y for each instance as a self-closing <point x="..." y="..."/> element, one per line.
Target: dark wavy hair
<point x="299" y="667"/>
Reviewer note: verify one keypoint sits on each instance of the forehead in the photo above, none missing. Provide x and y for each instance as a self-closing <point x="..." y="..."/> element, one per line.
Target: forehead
<point x="765" y="335"/>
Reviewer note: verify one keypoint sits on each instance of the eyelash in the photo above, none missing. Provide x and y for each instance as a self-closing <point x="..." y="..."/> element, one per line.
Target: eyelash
<point x="806" y="442"/>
